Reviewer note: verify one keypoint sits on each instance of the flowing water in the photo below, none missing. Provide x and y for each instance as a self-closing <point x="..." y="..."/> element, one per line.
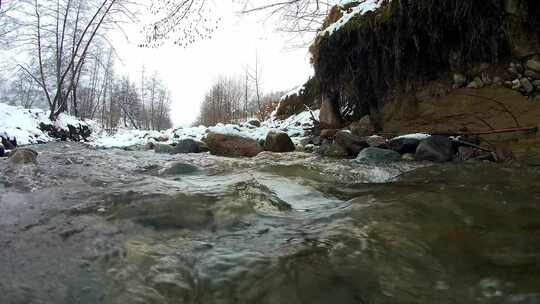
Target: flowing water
<point x="112" y="226"/>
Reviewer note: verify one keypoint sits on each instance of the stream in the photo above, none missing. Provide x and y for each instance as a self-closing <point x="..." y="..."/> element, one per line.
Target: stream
<point x="113" y="226"/>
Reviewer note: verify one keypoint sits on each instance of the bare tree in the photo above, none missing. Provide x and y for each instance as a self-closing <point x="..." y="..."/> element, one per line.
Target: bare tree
<point x="52" y="41"/>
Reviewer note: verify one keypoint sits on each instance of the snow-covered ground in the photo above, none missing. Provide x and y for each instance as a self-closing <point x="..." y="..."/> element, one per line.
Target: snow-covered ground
<point x="294" y="126"/>
<point x="23" y="124"/>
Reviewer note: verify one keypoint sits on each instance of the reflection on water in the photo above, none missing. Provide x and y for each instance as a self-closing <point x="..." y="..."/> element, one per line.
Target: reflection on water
<point x="110" y="226"/>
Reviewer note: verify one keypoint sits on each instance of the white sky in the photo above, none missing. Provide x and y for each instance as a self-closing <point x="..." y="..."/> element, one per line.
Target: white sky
<point x="189" y="73"/>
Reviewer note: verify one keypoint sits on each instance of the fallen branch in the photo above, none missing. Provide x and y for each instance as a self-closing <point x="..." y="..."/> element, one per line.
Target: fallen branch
<point x="468" y="144"/>
<point x="457" y="133"/>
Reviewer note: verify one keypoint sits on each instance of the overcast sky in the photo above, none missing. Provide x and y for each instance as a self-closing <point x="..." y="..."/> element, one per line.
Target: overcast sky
<point x="190" y="72"/>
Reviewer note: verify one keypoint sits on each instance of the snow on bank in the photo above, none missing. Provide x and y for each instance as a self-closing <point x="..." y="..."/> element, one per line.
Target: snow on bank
<point x="362" y="8"/>
<point x="294" y="126"/>
<point x="23" y="124"/>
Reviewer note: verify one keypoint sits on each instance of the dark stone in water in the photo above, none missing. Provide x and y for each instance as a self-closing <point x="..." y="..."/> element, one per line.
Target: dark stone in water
<point x="435" y="148"/>
<point x="163" y="148"/>
<point x="2" y="150"/>
<point x="352" y="143"/>
<point x="403" y="145"/>
<point x="22" y="156"/>
<point x="186" y="146"/>
<point x="8" y="143"/>
<point x="178" y="168"/>
<point x="277" y="141"/>
<point x="377" y="155"/>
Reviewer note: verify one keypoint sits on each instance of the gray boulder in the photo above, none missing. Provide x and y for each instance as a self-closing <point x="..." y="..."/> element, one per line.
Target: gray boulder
<point x="186" y="146"/>
<point x="352" y="143"/>
<point x="377" y="155"/>
<point x="278" y="141"/>
<point x="436" y="149"/>
<point x="22" y="156"/>
<point x="163" y="148"/>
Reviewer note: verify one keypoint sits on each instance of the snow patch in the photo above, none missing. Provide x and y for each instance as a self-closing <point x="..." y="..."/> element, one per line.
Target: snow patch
<point x="23" y="124"/>
<point x="362" y="8"/>
<point x="419" y="136"/>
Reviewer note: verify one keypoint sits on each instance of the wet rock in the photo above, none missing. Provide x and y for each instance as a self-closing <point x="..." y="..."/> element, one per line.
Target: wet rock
<point x="486" y="79"/>
<point x="232" y="145"/>
<point x="436" y="149"/>
<point x="526" y="85"/>
<point x="186" y="146"/>
<point x="533" y="64"/>
<point x="403" y="145"/>
<point x="23" y="156"/>
<point x="317" y="141"/>
<point x="477" y="83"/>
<point x="278" y="141"/>
<point x="532" y="298"/>
<point x="163" y="148"/>
<point x="536" y="84"/>
<point x="306" y="141"/>
<point x="468" y="153"/>
<point x="333" y="150"/>
<point x="8" y="142"/>
<point x="363" y="127"/>
<point x="516" y="84"/>
<point x="353" y="144"/>
<point x="376" y="141"/>
<point x="2" y="151"/>
<point x="459" y="80"/>
<point x="377" y="155"/>
<point x="149" y="146"/>
<point x="203" y="147"/>
<point x="536" y="98"/>
<point x="254" y="122"/>
<point x="498" y="81"/>
<point x="408" y="157"/>
<point x="178" y="168"/>
<point x="329" y="133"/>
<point x="532" y="74"/>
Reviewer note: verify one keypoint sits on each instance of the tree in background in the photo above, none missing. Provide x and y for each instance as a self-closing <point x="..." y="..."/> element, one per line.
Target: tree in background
<point x="225" y="102"/>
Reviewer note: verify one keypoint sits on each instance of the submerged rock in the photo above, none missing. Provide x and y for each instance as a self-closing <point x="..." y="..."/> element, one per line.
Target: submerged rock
<point x="278" y="141"/>
<point x="377" y="155"/>
<point x="352" y="143"/>
<point x="333" y="150"/>
<point x="23" y="156"/>
<point x="178" y="168"/>
<point x="2" y="151"/>
<point x="163" y="148"/>
<point x="232" y="145"/>
<point x="436" y="149"/>
<point x="186" y="146"/>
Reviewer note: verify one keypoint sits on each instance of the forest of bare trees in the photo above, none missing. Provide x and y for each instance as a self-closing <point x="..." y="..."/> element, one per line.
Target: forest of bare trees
<point x="70" y="64"/>
<point x="236" y="99"/>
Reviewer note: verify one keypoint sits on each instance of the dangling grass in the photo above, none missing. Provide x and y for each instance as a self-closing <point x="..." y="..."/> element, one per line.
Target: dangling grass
<point x="405" y="41"/>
